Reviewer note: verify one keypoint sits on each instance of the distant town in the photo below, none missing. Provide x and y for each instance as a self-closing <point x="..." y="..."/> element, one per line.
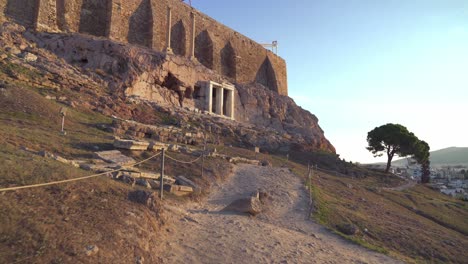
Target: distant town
<point x="451" y="180"/>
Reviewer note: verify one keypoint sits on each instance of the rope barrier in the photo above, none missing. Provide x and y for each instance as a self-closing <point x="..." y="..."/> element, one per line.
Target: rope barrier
<point x="184" y="162"/>
<point x="75" y="179"/>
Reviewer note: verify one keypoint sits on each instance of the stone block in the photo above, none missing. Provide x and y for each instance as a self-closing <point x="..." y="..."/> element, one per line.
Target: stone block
<point x="157" y="146"/>
<point x="114" y="156"/>
<point x="181" y="180"/>
<point x="131" y="144"/>
<point x="178" y="190"/>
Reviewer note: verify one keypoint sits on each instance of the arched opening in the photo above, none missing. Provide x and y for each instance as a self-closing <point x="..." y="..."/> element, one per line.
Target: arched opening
<point x="266" y="75"/>
<point x="178" y="38"/>
<point x="228" y="61"/>
<point x="204" y="49"/>
<point x="140" y="29"/>
<point x="95" y="17"/>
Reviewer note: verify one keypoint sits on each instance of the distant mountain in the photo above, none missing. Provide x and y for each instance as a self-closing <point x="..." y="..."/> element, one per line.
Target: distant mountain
<point x="448" y="156"/>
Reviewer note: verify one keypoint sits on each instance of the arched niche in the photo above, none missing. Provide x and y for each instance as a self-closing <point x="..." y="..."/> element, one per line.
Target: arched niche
<point x="178" y="38"/>
<point x="228" y="61"/>
<point x="24" y="12"/>
<point x="204" y="49"/>
<point x="95" y="17"/>
<point x="140" y="29"/>
<point x="266" y="75"/>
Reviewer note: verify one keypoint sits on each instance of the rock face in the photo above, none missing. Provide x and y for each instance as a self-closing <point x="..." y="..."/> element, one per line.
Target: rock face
<point x="134" y="82"/>
<point x="174" y="81"/>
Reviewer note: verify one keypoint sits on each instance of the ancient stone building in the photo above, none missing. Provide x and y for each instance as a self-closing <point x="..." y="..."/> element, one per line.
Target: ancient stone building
<point x="183" y="31"/>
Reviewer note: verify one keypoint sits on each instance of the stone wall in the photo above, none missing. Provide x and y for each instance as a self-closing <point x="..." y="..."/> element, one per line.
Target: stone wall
<point x="145" y="23"/>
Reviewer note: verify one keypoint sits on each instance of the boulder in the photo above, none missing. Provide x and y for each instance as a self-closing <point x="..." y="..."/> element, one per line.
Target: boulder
<point x="251" y="205"/>
<point x="29" y="57"/>
<point x="144" y="183"/>
<point x="91" y="250"/>
<point x="181" y="180"/>
<point x="347" y="229"/>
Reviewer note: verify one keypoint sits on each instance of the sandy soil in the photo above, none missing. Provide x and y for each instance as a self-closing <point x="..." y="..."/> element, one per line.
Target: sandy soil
<point x="283" y="234"/>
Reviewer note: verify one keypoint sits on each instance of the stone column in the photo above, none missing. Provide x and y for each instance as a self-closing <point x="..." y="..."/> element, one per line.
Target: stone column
<point x="230" y="104"/>
<point x="209" y="96"/>
<point x="168" y="33"/>
<point x="219" y="100"/>
<point x="192" y="40"/>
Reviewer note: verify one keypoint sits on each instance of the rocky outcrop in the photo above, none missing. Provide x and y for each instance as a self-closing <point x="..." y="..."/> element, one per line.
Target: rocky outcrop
<point x="140" y="82"/>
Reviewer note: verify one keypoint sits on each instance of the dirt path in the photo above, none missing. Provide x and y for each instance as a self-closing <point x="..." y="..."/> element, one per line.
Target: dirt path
<point x="203" y="234"/>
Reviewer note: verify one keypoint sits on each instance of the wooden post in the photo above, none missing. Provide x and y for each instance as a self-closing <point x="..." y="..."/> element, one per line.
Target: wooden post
<point x="203" y="154"/>
<point x="310" y="186"/>
<point x="63" y="113"/>
<point x="162" y="174"/>
<point x="63" y="122"/>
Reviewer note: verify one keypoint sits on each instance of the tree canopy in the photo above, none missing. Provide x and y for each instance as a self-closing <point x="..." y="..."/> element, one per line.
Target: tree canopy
<point x="421" y="155"/>
<point x="395" y="139"/>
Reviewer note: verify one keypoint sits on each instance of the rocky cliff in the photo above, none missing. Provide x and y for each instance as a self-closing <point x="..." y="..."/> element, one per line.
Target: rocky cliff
<point x="125" y="72"/>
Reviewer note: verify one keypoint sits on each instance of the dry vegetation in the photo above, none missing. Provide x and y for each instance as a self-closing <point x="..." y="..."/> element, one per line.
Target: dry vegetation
<point x="55" y="224"/>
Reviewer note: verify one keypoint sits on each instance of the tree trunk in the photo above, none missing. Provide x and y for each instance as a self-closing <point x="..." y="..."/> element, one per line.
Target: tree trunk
<point x="389" y="162"/>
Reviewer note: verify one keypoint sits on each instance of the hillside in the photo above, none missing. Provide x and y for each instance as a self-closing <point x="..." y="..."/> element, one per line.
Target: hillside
<point x="452" y="156"/>
<point x="355" y="214"/>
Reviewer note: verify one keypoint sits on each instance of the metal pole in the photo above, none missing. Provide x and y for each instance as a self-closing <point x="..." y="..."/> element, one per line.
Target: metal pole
<point x="161" y="187"/>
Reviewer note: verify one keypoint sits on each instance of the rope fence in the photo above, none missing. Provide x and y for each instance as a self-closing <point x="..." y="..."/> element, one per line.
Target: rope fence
<point x="74" y="179"/>
<point x="184" y="162"/>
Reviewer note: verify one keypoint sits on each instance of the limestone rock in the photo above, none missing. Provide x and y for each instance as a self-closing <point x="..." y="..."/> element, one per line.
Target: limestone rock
<point x="115" y="156"/>
<point x="131" y="144"/>
<point x="178" y="190"/>
<point x="29" y="57"/>
<point x="91" y="250"/>
<point x="251" y="205"/>
<point x="181" y="180"/>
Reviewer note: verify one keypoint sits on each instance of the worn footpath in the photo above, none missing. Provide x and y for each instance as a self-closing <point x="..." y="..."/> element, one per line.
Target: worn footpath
<point x="202" y="233"/>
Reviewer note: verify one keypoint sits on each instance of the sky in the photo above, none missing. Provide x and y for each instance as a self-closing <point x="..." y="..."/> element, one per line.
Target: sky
<point x="359" y="64"/>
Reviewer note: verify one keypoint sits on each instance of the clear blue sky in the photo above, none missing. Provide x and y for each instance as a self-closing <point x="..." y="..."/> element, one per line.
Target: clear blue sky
<point x="358" y="64"/>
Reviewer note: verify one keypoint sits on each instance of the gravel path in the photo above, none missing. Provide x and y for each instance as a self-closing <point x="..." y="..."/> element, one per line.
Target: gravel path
<point x="203" y="234"/>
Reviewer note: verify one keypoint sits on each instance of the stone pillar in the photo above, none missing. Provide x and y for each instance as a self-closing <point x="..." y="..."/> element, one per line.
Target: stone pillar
<point x="219" y="100"/>
<point x="192" y="37"/>
<point x="168" y="33"/>
<point x="230" y="104"/>
<point x="209" y="96"/>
